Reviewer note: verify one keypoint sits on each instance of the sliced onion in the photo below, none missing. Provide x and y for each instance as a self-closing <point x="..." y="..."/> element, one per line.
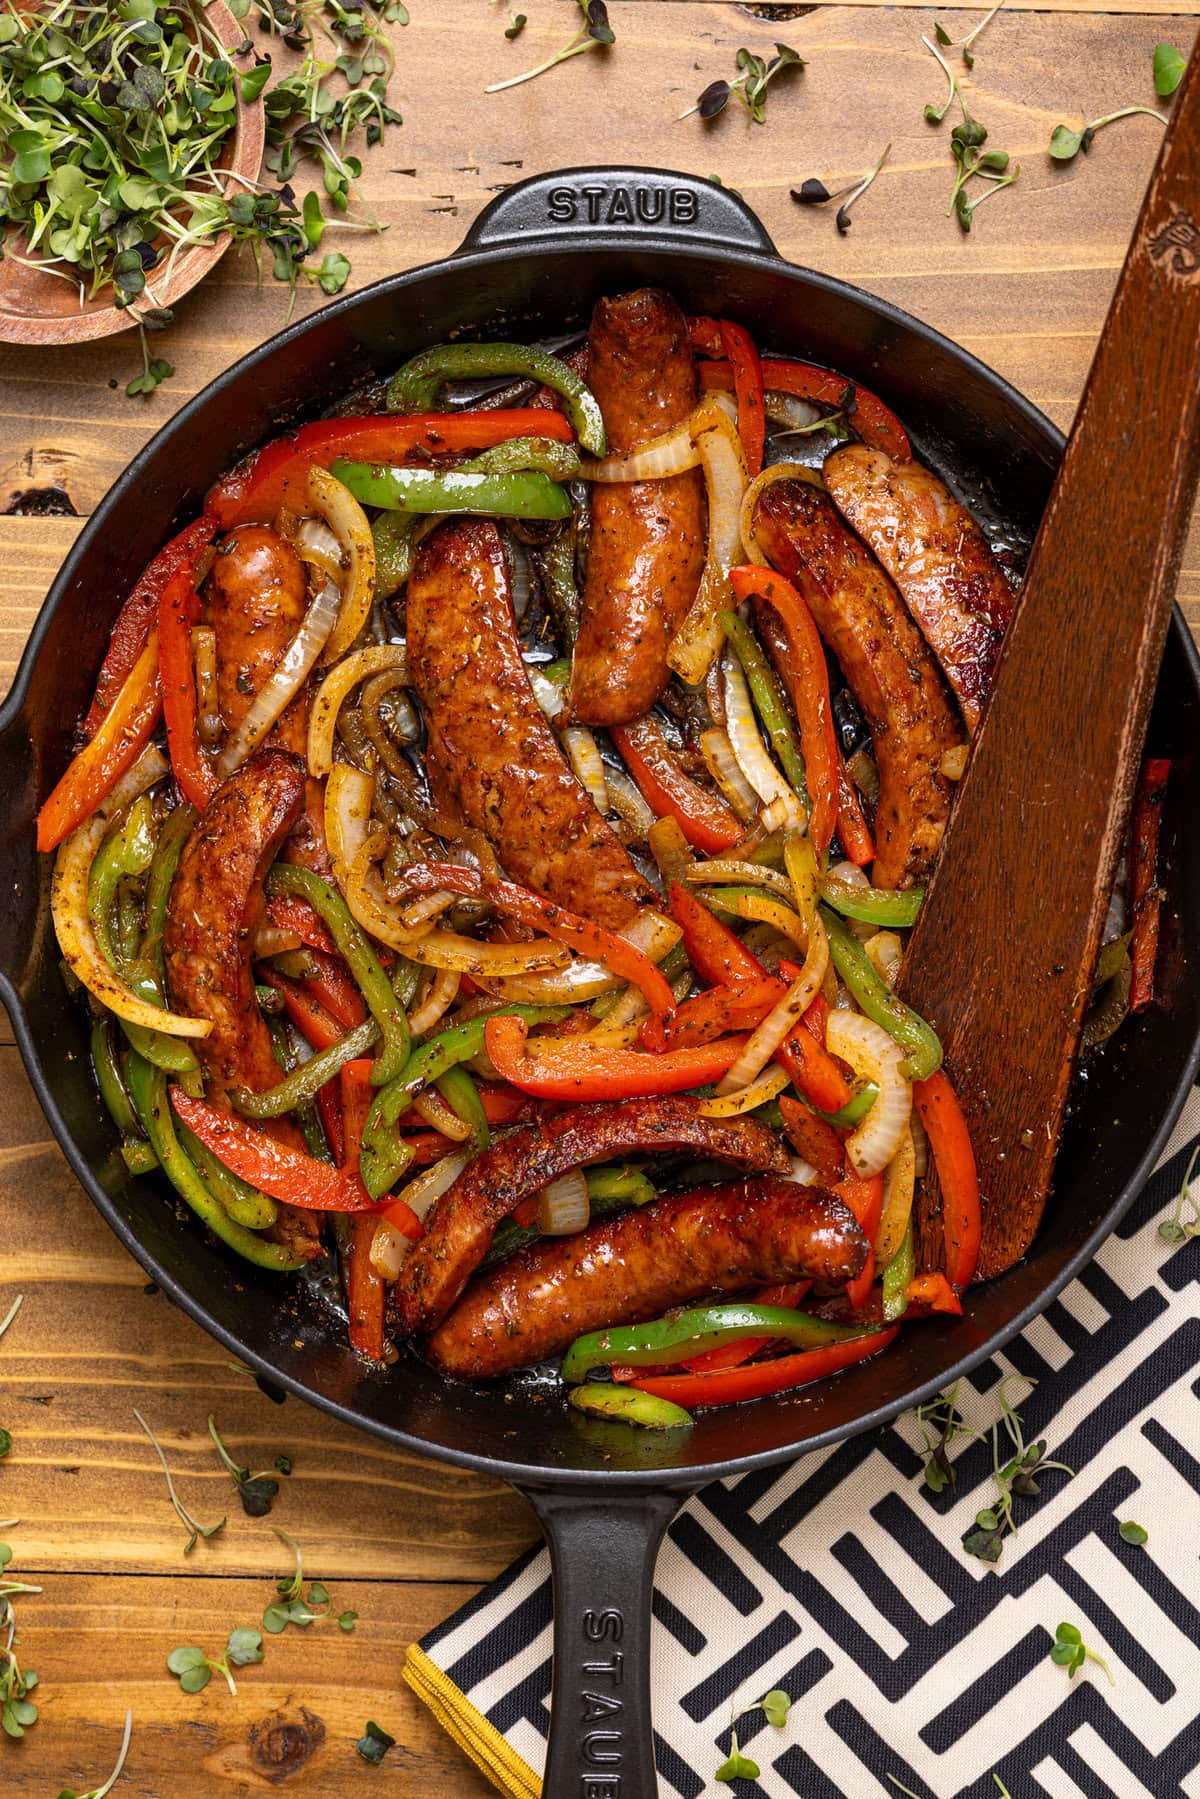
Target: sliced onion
<point x="672" y="453"/>
<point x="334" y="690"/>
<point x="520" y="586"/>
<point x="877" y="1057"/>
<point x="899" y="1184"/>
<point x="863" y="772"/>
<point x="728" y="871"/>
<point x="563" y="1205"/>
<point x="765" y="910"/>
<point x="287" y="678"/>
<point x="433" y="1110"/>
<point x="349" y="796"/>
<point x="390" y="1249"/>
<point x="670" y="849"/>
<point x="778" y="471"/>
<point x="69" y="907"/>
<point x="767" y="1087"/>
<point x="271" y="940"/>
<point x="953" y="765"/>
<point x="885" y="952"/>
<point x="208" y="710"/>
<point x="761" y="1045"/>
<point x="348" y="522"/>
<point x="650" y="932"/>
<point x="405" y="726"/>
<point x="443" y="992"/>
<point x="788" y="410"/>
<point x="697" y="643"/>
<point x="585" y="760"/>
<point x="625" y="800"/>
<point x="423" y="1193"/>
<point x="549" y="696"/>
<point x="722" y="765"/>
<point x="316" y="544"/>
<point x="750" y="751"/>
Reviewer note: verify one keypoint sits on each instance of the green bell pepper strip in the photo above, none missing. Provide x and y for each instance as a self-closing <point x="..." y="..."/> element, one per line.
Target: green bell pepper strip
<point x="609" y="1188"/>
<point x="392" y="533"/>
<point x="872" y="905"/>
<point x="874" y="997"/>
<point x="414" y="387"/>
<point x="301" y="1086"/>
<point x="768" y="699"/>
<point x="528" y="495"/>
<point x="694" y="1332"/>
<point x="138" y="1156"/>
<point x="604" y="1400"/>
<point x="462" y="1096"/>
<point x="129" y="921"/>
<point x="244" y="1203"/>
<point x="297" y="964"/>
<point x="171" y="1053"/>
<point x="283" y="1047"/>
<point x="268" y="999"/>
<point x="555" y="566"/>
<point x="148" y="1091"/>
<point x="547" y="454"/>
<point x="382" y="1157"/>
<point x="361" y="960"/>
<point x="171" y="839"/>
<point x="559" y="672"/>
<point x="108" y="1076"/>
<point x="899" y="1272"/>
<point x="128" y="851"/>
<point x="854" y="1110"/>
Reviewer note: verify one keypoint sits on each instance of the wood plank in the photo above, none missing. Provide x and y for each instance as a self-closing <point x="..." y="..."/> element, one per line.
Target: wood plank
<point x="100" y="1644"/>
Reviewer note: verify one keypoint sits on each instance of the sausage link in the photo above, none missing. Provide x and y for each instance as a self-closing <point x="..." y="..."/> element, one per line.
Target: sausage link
<point x="492" y="758"/>
<point x="630" y="1269"/>
<point x="647" y="540"/>
<point x="884" y="658"/>
<point x="459" y="1231"/>
<point x="937" y="556"/>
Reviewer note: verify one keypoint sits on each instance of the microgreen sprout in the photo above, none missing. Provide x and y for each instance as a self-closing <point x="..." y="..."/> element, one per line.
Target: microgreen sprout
<point x="1178" y="1228"/>
<point x="935" y="114"/>
<point x="775" y="1707"/>
<point x="594" y="30"/>
<point x="194" y="1669"/>
<point x="943" y="1414"/>
<point x="14" y="1308"/>
<point x="750" y="87"/>
<point x="17" y="1710"/>
<point x="1014" y="1479"/>
<point x="964" y="44"/>
<point x="815" y="193"/>
<point x="374" y="1743"/>
<point x="256" y="1491"/>
<point x="1065" y="144"/>
<point x="294" y="1606"/>
<point x="516" y="25"/>
<point x="195" y="1529"/>
<point x="1134" y="1534"/>
<point x="1071" y="1652"/>
<point x="101" y="1792"/>
<point x="1169" y="64"/>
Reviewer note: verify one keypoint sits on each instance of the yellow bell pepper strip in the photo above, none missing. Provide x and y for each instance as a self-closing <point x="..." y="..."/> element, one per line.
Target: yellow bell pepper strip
<point x="414" y="387"/>
<point x="122" y="735"/>
<point x="874" y="997"/>
<point x="579" y="934"/>
<point x="694" y="1332"/>
<point x="148" y="1091"/>
<point x="757" y="1379"/>
<point x="602" y="1400"/>
<point x="571" y="1069"/>
<point x="286" y="1174"/>
<point x="397" y="489"/>
<point x="895" y="910"/>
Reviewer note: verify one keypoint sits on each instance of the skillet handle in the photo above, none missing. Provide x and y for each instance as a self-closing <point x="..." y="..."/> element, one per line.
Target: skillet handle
<point x="626" y="203"/>
<point x="602" y="1549"/>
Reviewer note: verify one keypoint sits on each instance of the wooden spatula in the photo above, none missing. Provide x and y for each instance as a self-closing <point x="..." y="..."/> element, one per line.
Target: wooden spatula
<point x="1002" y="957"/>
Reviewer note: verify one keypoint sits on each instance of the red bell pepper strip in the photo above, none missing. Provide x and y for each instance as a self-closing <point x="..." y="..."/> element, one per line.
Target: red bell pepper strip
<point x="852" y="825"/>
<point x="705" y="336"/>
<point x="732" y="1355"/>
<point x="365" y="1293"/>
<point x="950" y="1142"/>
<point x="573" y="1069"/>
<point x="814" y="1072"/>
<point x="178" y="611"/>
<point x="275" y="476"/>
<point x="812" y="1139"/>
<point x="705" y="820"/>
<point x="334" y="988"/>
<point x="807" y="676"/>
<point x="761" y="1378"/>
<point x="124" y="732"/>
<point x="310" y="1018"/>
<point x="932" y="1293"/>
<point x="865" y="1200"/>
<point x="875" y="423"/>
<point x="139" y="614"/>
<point x="288" y="912"/>
<point x="286" y="1174"/>
<point x="580" y="934"/>
<point x="743" y="359"/>
<point x="712" y="1014"/>
<point x="717" y="954"/>
<point x="329" y="1107"/>
<point x="1145" y="895"/>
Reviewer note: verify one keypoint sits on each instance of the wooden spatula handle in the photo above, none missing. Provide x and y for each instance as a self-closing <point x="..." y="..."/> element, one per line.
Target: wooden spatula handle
<point x="1016" y="907"/>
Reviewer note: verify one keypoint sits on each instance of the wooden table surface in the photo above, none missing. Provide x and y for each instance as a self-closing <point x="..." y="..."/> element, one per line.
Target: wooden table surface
<point x="401" y="1540"/>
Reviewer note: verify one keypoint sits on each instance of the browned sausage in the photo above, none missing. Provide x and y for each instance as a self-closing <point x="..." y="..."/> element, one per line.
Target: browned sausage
<point x="215" y="907"/>
<point x="884" y="658"/>
<point x="459" y="1231"/>
<point x="492" y="758"/>
<point x="255" y="600"/>
<point x="647" y="542"/>
<point x="630" y="1269"/>
<point x="937" y="556"/>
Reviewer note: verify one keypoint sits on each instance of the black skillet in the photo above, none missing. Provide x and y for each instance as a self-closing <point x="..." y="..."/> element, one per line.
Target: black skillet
<point x="531" y="266"/>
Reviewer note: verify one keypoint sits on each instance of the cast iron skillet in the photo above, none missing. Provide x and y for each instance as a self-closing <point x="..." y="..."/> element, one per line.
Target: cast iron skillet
<point x="532" y="265"/>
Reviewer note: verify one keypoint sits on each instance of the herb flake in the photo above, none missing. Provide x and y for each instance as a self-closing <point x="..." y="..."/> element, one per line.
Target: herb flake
<point x="374" y="1743"/>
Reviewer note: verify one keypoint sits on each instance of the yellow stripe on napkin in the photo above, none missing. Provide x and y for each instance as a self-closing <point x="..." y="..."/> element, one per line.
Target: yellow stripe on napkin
<point x="472" y="1732"/>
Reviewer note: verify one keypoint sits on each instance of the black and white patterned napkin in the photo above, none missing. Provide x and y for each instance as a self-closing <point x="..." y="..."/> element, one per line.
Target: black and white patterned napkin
<point x="843" y="1580"/>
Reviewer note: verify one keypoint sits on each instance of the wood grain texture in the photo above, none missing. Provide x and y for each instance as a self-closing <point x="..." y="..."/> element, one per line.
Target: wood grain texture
<point x="1027" y="292"/>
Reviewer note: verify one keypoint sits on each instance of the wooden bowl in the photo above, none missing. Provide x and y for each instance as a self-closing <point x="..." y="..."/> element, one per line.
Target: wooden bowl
<point x="40" y="308"/>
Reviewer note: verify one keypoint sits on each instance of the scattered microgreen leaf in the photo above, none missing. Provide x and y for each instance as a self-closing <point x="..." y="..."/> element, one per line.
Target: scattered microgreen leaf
<point x="943" y="1414"/>
<point x="195" y="1529"/>
<point x="17" y="1710"/>
<point x="516" y="25"/>
<point x="374" y="1743"/>
<point x="1135" y="1534"/>
<point x="814" y="193"/>
<point x="935" y="114"/>
<point x="1169" y="64"/>
<point x="1004" y="1792"/>
<point x="964" y="44"/>
<point x="256" y="1491"/>
<point x="294" y="1606"/>
<point x="594" y="30"/>
<point x="194" y="1669"/>
<point x="1066" y="144"/>
<point x="1016" y="1477"/>
<point x="1178" y="1228"/>
<point x="775" y="1707"/>
<point x="1072" y="1653"/>
<point x="101" y="1792"/>
<point x="736" y="1766"/>
<point x="750" y="87"/>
